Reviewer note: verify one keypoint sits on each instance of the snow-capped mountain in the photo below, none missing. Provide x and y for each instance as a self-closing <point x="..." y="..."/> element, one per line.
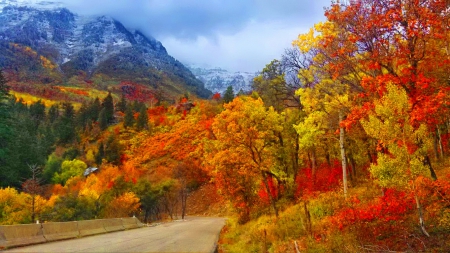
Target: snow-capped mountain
<point x="37" y="4"/>
<point x="93" y="45"/>
<point x="218" y="79"/>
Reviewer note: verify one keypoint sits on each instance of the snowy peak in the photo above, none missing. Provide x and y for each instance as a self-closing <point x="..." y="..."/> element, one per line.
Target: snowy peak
<point x="218" y="79"/>
<point x="37" y="4"/>
<point x="84" y="44"/>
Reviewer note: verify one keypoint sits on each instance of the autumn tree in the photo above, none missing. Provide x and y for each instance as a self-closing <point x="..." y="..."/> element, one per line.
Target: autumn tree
<point x="69" y="169"/>
<point x="272" y="87"/>
<point x="396" y="42"/>
<point x="246" y="134"/>
<point x="403" y="146"/>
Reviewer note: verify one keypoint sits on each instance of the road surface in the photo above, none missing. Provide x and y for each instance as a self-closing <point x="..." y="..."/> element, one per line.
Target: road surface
<point x="195" y="234"/>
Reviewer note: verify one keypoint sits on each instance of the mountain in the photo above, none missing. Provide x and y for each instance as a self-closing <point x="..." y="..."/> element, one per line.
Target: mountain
<point x="218" y="79"/>
<point x="51" y="44"/>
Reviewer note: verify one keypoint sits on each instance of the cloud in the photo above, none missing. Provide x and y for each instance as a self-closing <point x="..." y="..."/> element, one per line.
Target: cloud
<point x="189" y="19"/>
<point x="247" y="50"/>
<point x="234" y="34"/>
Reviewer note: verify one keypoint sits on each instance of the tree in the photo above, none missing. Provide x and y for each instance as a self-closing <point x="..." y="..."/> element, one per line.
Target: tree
<point x="272" y="87"/>
<point x="142" y="120"/>
<point x="6" y="135"/>
<point x="246" y="136"/>
<point x="33" y="187"/>
<point x="65" y="126"/>
<point x="52" y="166"/>
<point x="53" y="113"/>
<point x="108" y="106"/>
<point x="103" y="119"/>
<point x="69" y="169"/>
<point x="128" y="120"/>
<point x="100" y="154"/>
<point x="122" y="104"/>
<point x="228" y="95"/>
<point x="113" y="150"/>
<point x="403" y="146"/>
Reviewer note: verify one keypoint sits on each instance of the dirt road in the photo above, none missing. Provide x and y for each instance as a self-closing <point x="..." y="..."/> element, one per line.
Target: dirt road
<point x="195" y="234"/>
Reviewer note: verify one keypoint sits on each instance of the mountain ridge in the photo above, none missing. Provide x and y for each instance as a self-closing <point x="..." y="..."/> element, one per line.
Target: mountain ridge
<point x="217" y="79"/>
<point x="94" y="45"/>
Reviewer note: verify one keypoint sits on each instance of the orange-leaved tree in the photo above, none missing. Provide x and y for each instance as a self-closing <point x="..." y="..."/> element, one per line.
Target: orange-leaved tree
<point x="243" y="151"/>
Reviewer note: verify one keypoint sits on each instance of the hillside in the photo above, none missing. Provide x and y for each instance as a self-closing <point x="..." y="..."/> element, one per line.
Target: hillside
<point x="46" y="45"/>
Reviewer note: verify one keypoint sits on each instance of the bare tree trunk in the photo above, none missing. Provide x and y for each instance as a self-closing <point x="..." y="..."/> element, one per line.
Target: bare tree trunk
<point x="441" y="147"/>
<point x="184" y="196"/>
<point x="33" y="213"/>
<point x="419" y="210"/>
<point x="435" y="145"/>
<point x="344" y="159"/>
<point x="427" y="162"/>
<point x="308" y="218"/>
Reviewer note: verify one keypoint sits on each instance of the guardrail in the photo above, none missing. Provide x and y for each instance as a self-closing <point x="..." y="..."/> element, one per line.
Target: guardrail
<point x="27" y="234"/>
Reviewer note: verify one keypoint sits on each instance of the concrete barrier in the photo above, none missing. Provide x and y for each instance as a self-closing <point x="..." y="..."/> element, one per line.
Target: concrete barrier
<point x="112" y="225"/>
<point x="129" y="223"/>
<point x="91" y="227"/>
<point x="139" y="223"/>
<point x="54" y="231"/>
<point x="19" y="235"/>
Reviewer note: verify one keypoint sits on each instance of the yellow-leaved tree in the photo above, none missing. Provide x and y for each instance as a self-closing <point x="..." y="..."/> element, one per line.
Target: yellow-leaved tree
<point x="243" y="152"/>
<point x="402" y="145"/>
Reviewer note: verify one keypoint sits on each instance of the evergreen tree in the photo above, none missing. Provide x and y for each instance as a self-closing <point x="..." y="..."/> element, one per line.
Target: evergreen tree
<point x="83" y="118"/>
<point x="37" y="112"/>
<point x="108" y="105"/>
<point x="65" y="126"/>
<point x="103" y="119"/>
<point x="6" y="135"/>
<point x="122" y="105"/>
<point x="228" y="96"/>
<point x="94" y="109"/>
<point x="142" y="120"/>
<point x="53" y="113"/>
<point x="128" y="120"/>
<point x="100" y="154"/>
<point x="113" y="150"/>
<point x="137" y="106"/>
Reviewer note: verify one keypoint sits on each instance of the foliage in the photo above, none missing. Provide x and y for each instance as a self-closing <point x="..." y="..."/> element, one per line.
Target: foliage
<point x="69" y="169"/>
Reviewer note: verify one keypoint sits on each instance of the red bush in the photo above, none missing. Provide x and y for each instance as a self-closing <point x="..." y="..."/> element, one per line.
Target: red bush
<point x="325" y="179"/>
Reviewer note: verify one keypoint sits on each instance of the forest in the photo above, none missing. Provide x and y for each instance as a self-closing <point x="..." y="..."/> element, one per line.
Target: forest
<point x="342" y="146"/>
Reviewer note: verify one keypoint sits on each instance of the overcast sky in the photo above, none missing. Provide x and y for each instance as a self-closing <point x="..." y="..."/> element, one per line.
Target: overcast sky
<point x="238" y="35"/>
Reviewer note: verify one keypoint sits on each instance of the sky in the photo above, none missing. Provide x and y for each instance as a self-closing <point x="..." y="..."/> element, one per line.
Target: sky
<point x="237" y="35"/>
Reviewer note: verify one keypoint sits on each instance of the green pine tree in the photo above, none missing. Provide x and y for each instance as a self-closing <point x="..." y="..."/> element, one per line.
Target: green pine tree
<point x="100" y="154"/>
<point x="113" y="150"/>
<point x="103" y="119"/>
<point x="128" y="120"/>
<point x="142" y="120"/>
<point x="6" y="137"/>
<point x="122" y="105"/>
<point x="108" y="105"/>
<point x="228" y="96"/>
